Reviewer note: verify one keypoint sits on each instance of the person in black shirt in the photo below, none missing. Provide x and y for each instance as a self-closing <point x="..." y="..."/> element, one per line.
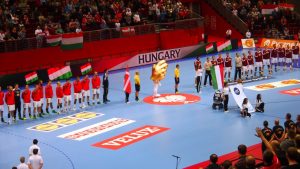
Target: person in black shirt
<point x="298" y="124"/>
<point x="268" y="134"/>
<point x="288" y="122"/>
<point x="17" y="93"/>
<point x="213" y="162"/>
<point x="241" y="163"/>
<point x="292" y="156"/>
<point x="105" y="86"/>
<point x="278" y="130"/>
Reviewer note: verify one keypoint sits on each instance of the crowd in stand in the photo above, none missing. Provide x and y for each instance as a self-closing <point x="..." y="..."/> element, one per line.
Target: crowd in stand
<point x="280" y="148"/>
<point x="278" y="24"/>
<point x="19" y="18"/>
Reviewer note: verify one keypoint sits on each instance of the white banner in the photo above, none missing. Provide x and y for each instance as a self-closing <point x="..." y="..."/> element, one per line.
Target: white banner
<point x="239" y="95"/>
<point x="154" y="57"/>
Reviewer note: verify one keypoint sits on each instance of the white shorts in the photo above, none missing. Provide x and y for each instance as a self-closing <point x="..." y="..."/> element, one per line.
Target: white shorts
<point x="11" y="107"/>
<point x="266" y="61"/>
<point x="258" y="64"/>
<point x="26" y="105"/>
<point x="245" y="68"/>
<point x="49" y="100"/>
<point x="295" y="56"/>
<point x="228" y="69"/>
<point x="68" y="98"/>
<point x="86" y="93"/>
<point x="59" y="100"/>
<point x="251" y="67"/>
<point x="36" y="104"/>
<point x="42" y="101"/>
<point x="274" y="60"/>
<point x="281" y="60"/>
<point x="96" y="91"/>
<point x="1" y="108"/>
<point x="288" y="60"/>
<point x="77" y="96"/>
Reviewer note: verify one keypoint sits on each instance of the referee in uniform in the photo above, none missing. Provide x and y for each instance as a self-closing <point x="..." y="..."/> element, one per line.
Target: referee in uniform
<point x="17" y="93"/>
<point x="105" y="86"/>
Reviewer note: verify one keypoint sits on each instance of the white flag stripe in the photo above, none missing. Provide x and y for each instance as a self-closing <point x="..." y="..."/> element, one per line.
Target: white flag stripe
<point x="70" y="41"/>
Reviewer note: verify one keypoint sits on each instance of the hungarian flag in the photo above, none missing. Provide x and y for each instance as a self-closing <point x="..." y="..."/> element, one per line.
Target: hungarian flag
<point x="287" y="6"/>
<point x="209" y="48"/>
<point x="31" y="77"/>
<point x="60" y="73"/>
<point x="86" y="68"/>
<point x="72" y="41"/>
<point x="268" y="9"/>
<point x="223" y="46"/>
<point x="127" y="84"/>
<point x="217" y="74"/>
<point x="53" y="40"/>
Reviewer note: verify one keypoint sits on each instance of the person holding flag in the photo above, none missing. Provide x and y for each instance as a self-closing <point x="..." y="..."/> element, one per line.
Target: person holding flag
<point x="36" y="97"/>
<point x="26" y="102"/>
<point x="67" y="95"/>
<point x="49" y="96"/>
<point x="10" y="102"/>
<point x="77" y="93"/>
<point x="127" y="86"/>
<point x="86" y="90"/>
<point x="96" y="88"/>
<point x="59" y="95"/>
<point x="1" y="105"/>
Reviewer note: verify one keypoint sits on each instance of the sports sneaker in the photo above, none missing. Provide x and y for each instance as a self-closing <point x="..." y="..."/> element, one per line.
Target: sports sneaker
<point x="54" y="112"/>
<point x="98" y="102"/>
<point x="34" y="116"/>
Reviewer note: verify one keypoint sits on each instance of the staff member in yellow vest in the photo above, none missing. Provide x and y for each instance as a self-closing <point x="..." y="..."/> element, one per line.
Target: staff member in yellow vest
<point x="137" y="84"/>
<point x="177" y="74"/>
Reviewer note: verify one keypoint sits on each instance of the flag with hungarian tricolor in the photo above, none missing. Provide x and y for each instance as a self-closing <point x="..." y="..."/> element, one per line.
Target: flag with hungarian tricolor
<point x="217" y="74"/>
<point x="209" y="48"/>
<point x="86" y="68"/>
<point x="31" y="77"/>
<point x="127" y="84"/>
<point x="72" y="41"/>
<point x="267" y="9"/>
<point x="59" y="73"/>
<point x="223" y="46"/>
<point x="53" y="40"/>
<point x="287" y="6"/>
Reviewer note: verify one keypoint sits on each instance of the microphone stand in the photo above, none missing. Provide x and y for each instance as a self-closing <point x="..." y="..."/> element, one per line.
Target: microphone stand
<point x="177" y="160"/>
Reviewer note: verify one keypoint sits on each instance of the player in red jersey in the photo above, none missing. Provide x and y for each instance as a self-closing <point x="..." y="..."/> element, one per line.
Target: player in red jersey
<point x="274" y="58"/>
<point x="220" y="60"/>
<point x="245" y="66"/>
<point x="36" y="97"/>
<point x="49" y="96"/>
<point x="67" y="95"/>
<point x="213" y="61"/>
<point x="266" y="60"/>
<point x="41" y="88"/>
<point x="59" y="96"/>
<point x="86" y="90"/>
<point x="26" y="102"/>
<point x="1" y="105"/>
<point x="10" y="102"/>
<point x="197" y="62"/>
<point x="77" y="93"/>
<point x="281" y="55"/>
<point x="295" y="57"/>
<point x="96" y="88"/>
<point x="288" y="58"/>
<point x="228" y="66"/>
<point x="258" y="62"/>
<point x="251" y="64"/>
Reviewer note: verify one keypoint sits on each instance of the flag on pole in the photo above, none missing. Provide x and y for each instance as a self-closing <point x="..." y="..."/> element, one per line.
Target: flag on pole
<point x="72" y="41"/>
<point x="59" y="73"/>
<point x="268" y="9"/>
<point x="223" y="46"/>
<point x="53" y="40"/>
<point x="217" y="73"/>
<point x="31" y="77"/>
<point x="209" y="48"/>
<point x="86" y="68"/>
<point x="127" y="84"/>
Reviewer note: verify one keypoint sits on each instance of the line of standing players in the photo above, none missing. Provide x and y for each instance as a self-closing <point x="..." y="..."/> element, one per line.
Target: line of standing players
<point x="249" y="66"/>
<point x="44" y="94"/>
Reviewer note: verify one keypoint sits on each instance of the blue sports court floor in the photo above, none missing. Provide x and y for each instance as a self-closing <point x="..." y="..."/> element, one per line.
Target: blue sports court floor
<point x="195" y="130"/>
